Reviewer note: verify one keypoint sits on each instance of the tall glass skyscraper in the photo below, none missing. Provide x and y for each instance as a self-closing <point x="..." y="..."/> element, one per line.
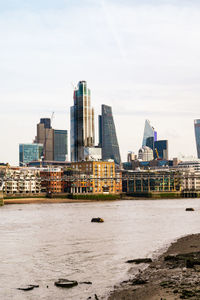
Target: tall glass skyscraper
<point x="107" y="135"/>
<point x="197" y="135"/>
<point x="150" y="135"/>
<point x="29" y="152"/>
<point x="82" y="122"/>
<point x="60" y="145"/>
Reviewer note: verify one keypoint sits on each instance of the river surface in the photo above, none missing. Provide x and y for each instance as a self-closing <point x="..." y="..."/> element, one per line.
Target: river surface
<point x="40" y="243"/>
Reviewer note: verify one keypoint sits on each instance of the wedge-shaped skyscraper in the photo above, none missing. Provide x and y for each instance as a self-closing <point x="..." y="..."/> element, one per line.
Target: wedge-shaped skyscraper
<point x="107" y="135"/>
<point x="197" y="135"/>
<point x="150" y="135"/>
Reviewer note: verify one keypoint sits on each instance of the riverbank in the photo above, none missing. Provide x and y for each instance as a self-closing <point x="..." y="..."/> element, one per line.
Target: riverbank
<point x="174" y="275"/>
<point x="48" y="200"/>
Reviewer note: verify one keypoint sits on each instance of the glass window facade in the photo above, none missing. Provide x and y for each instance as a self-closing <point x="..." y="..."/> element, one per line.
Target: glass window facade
<point x="108" y="139"/>
<point x="60" y="145"/>
<point x="82" y="122"/>
<point x="149" y="132"/>
<point x="29" y="152"/>
<point x="162" y="148"/>
<point x="197" y="135"/>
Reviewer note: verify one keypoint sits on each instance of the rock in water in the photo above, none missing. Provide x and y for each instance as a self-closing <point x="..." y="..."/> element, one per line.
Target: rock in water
<point x="28" y="287"/>
<point x="97" y="220"/>
<point x="65" y="283"/>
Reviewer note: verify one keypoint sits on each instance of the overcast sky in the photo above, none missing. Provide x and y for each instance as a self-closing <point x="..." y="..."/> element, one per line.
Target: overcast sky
<point x="141" y="57"/>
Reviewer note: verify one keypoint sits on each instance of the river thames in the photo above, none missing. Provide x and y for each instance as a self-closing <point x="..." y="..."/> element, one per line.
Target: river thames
<point x="43" y="242"/>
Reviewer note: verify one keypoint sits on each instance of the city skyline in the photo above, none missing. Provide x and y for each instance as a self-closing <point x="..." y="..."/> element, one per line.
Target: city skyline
<point x="139" y="57"/>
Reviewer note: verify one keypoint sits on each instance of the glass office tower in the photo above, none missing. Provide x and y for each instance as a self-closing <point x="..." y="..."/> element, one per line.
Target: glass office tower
<point x="150" y="135"/>
<point x="29" y="152"/>
<point x="82" y="122"/>
<point x="107" y="135"/>
<point x="60" y="145"/>
<point x="197" y="135"/>
<point x="162" y="149"/>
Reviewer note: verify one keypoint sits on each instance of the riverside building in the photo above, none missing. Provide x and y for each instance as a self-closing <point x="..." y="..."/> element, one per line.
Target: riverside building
<point x="22" y="181"/>
<point x="95" y="177"/>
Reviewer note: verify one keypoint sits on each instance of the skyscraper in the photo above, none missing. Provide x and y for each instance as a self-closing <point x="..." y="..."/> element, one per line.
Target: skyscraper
<point x="29" y="152"/>
<point x="161" y="149"/>
<point x="107" y="135"/>
<point x="197" y="135"/>
<point x="60" y="145"/>
<point x="82" y="122"/>
<point x="45" y="136"/>
<point x="150" y="135"/>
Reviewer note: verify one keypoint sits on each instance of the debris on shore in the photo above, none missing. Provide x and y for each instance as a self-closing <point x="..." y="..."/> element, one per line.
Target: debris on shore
<point x="174" y="275"/>
<point x="139" y="261"/>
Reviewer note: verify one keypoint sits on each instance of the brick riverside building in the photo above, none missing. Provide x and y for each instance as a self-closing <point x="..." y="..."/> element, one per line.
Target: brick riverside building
<point x="51" y="180"/>
<point x="96" y="177"/>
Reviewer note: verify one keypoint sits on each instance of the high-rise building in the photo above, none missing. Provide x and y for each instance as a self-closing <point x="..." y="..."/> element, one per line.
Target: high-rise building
<point x="45" y="136"/>
<point x="107" y="135"/>
<point x="161" y="149"/>
<point x="82" y="122"/>
<point x="29" y="152"/>
<point x="197" y="135"/>
<point x="150" y="135"/>
<point x="60" y="145"/>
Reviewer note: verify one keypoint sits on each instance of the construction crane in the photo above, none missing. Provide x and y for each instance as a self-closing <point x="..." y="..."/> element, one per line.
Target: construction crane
<point x="156" y="150"/>
<point x="46" y="138"/>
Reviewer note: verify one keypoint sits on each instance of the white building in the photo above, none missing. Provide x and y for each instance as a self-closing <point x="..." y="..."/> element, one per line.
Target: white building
<point x="22" y="181"/>
<point x="145" y="154"/>
<point x="92" y="153"/>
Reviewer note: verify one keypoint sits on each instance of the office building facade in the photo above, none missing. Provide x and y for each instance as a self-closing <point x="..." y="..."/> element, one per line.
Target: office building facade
<point x="107" y="135"/>
<point x="161" y="149"/>
<point x="197" y="135"/>
<point x="150" y="135"/>
<point x="60" y="145"/>
<point x="82" y="122"/>
<point x="45" y="136"/>
<point x="29" y="152"/>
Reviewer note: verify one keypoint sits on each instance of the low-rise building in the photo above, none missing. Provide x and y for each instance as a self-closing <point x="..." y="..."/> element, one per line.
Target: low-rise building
<point x="22" y="181"/>
<point x="51" y="180"/>
<point x="96" y="177"/>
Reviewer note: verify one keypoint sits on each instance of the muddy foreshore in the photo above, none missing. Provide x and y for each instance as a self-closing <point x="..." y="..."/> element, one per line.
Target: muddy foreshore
<point x="174" y="275"/>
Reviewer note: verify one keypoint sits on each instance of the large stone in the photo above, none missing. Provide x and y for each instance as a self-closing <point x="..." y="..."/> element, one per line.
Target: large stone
<point x="65" y="283"/>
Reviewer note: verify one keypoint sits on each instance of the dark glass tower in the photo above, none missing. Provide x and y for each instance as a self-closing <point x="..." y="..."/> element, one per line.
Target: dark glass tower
<point x="82" y="122"/>
<point x="161" y="147"/>
<point x="107" y="135"/>
<point x="60" y="145"/>
<point x="197" y="135"/>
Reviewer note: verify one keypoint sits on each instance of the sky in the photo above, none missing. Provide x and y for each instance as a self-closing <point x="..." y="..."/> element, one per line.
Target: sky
<point x="142" y="57"/>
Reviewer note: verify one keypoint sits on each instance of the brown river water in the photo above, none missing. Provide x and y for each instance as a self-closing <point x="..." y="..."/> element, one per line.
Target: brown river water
<point x="40" y="243"/>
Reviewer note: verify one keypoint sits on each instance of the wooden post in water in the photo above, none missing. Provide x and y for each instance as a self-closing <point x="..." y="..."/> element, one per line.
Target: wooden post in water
<point x="1" y="198"/>
<point x="1" y="192"/>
